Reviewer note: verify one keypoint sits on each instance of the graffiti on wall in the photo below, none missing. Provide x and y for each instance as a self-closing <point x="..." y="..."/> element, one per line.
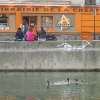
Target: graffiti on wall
<point x="66" y="46"/>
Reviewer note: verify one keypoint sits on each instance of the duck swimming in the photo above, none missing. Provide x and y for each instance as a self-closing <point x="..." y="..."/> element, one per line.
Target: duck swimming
<point x="76" y="81"/>
<point x="49" y="83"/>
<point x="68" y="80"/>
<point x="57" y="83"/>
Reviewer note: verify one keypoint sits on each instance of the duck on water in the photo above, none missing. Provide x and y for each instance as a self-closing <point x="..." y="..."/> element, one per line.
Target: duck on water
<point x="76" y="81"/>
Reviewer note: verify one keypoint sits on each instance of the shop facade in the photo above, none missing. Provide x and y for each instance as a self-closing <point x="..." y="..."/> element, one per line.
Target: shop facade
<point x="68" y="20"/>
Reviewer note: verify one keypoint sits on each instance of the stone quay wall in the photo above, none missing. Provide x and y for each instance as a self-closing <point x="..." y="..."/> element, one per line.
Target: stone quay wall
<point x="49" y="55"/>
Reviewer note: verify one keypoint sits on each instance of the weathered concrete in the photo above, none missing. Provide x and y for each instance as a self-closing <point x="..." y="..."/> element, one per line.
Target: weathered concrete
<point x="47" y="56"/>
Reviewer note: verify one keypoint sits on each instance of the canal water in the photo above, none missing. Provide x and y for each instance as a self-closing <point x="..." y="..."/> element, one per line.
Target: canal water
<point x="32" y="86"/>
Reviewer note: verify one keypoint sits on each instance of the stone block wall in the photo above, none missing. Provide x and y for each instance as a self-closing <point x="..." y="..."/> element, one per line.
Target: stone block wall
<point x="58" y="55"/>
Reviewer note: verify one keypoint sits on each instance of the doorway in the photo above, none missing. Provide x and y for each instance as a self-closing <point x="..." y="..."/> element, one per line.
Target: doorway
<point x="32" y="22"/>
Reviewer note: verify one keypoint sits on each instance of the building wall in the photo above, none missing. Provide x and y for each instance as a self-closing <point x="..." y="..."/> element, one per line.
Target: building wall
<point x="97" y="1"/>
<point x="72" y="1"/>
<point x="82" y="2"/>
<point x="81" y="19"/>
<point x="78" y="2"/>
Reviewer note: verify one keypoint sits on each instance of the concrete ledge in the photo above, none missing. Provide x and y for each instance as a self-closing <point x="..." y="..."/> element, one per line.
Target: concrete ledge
<point x="46" y="56"/>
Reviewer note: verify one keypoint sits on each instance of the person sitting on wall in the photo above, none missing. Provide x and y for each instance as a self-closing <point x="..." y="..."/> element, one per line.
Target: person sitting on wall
<point x="41" y="34"/>
<point x="19" y="35"/>
<point x="30" y="35"/>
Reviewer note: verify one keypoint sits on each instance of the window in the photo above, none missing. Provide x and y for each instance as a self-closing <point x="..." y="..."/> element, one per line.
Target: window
<point x="33" y="21"/>
<point x="4" y="22"/>
<point x="47" y="22"/>
<point x="90" y="2"/>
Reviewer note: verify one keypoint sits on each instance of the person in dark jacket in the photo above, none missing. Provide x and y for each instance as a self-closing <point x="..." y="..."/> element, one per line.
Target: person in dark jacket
<point x="19" y="35"/>
<point x="41" y="34"/>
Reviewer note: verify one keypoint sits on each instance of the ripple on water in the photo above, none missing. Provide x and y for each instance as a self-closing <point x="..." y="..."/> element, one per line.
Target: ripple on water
<point x="21" y="85"/>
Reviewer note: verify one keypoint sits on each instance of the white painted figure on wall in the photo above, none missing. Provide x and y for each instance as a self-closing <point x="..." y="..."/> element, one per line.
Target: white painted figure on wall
<point x="67" y="46"/>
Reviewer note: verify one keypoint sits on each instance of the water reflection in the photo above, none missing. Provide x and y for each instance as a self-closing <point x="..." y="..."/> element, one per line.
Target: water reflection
<point x="32" y="86"/>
